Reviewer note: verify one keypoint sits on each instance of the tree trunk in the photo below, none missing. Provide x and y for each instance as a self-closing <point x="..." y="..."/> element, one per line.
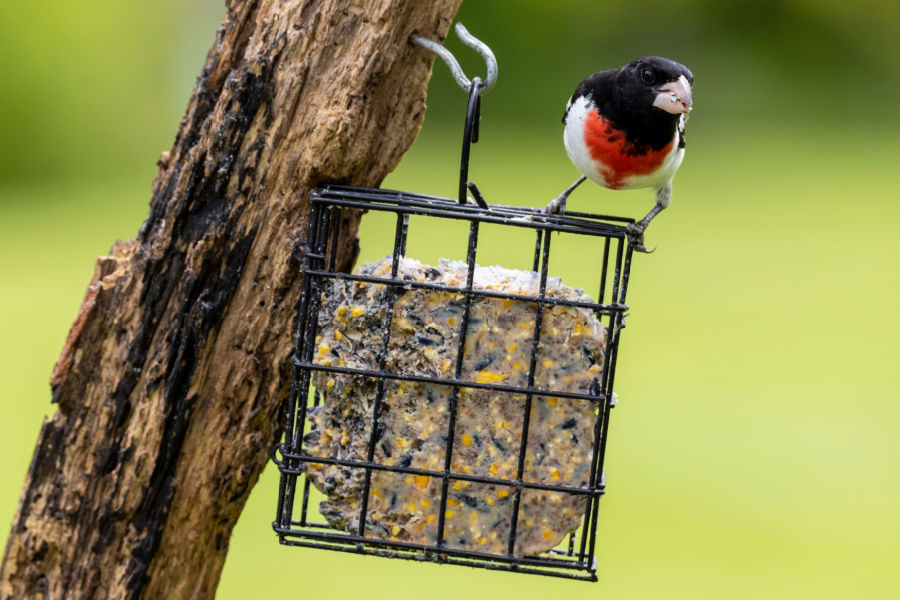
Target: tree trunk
<point x="170" y="382"/>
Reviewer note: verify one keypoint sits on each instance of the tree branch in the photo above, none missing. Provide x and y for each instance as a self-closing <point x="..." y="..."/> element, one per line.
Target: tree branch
<point x="171" y="378"/>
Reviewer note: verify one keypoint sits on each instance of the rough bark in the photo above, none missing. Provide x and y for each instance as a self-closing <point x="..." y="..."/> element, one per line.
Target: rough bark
<point x="171" y="378"/>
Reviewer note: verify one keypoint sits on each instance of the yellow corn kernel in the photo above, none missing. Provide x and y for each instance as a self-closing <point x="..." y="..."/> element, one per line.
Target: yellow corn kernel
<point x="548" y="363"/>
<point x="551" y="401"/>
<point x="517" y="366"/>
<point x="329" y="383"/>
<point x="554" y="474"/>
<point x="466" y="440"/>
<point x="548" y="534"/>
<point x="376" y="493"/>
<point x="396" y="529"/>
<point x="452" y="502"/>
<point x="341" y="309"/>
<point x="482" y="541"/>
<point x="430" y="519"/>
<point x="356" y="312"/>
<point x="400" y="441"/>
<point x="502" y="493"/>
<point x="489" y="377"/>
<point x="493" y="468"/>
<point x="344" y="440"/>
<point x="421" y="481"/>
<point x="409" y="479"/>
<point x="489" y="500"/>
<point x="425" y="503"/>
<point x="457" y="486"/>
<point x="448" y="514"/>
<point x="451" y="321"/>
<point x="512" y="347"/>
<point x="412" y="507"/>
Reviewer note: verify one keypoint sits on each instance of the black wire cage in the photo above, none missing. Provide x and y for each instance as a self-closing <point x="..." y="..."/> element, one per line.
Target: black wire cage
<point x="603" y="238"/>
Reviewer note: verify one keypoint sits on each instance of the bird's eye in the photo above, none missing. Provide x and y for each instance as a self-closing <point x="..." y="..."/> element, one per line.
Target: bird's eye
<point x="647" y="76"/>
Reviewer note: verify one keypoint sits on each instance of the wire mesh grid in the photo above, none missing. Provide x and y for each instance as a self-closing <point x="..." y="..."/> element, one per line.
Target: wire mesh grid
<point x="298" y="522"/>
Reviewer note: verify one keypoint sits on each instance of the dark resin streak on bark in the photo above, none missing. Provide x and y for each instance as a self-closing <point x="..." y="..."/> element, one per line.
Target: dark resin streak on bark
<point x="201" y="298"/>
<point x="204" y="301"/>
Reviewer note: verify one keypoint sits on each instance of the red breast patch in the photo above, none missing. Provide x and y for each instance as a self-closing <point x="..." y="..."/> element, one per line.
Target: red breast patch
<point x="618" y="158"/>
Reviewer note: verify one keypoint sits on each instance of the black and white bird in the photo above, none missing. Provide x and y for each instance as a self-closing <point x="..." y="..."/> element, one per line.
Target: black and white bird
<point x="624" y="129"/>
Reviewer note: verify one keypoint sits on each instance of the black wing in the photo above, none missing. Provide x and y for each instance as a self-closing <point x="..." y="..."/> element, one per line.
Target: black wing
<point x="597" y="87"/>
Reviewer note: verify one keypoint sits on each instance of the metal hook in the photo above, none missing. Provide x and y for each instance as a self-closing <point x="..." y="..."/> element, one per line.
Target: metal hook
<point x="472" y="42"/>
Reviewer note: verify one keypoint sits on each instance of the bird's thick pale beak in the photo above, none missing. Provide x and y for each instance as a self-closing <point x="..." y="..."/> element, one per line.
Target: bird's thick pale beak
<point x="674" y="97"/>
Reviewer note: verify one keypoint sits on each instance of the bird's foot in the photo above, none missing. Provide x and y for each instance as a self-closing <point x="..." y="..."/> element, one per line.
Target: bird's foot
<point x="557" y="206"/>
<point x="635" y="232"/>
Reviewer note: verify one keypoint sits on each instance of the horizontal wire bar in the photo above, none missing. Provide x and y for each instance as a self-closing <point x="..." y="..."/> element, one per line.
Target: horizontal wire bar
<point x="386" y="196"/>
<point x="450" y="561"/>
<point x="363" y="464"/>
<point x="492" y="387"/>
<point x="300" y="527"/>
<point x="607" y="309"/>
<point x="514" y="220"/>
<point x="346" y="538"/>
<point x="435" y="557"/>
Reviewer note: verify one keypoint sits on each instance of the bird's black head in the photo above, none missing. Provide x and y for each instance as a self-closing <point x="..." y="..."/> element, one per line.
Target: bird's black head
<point x="651" y="94"/>
<point x="653" y="81"/>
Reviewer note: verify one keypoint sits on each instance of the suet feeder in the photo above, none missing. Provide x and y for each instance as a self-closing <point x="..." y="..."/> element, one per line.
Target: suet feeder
<point x="455" y="413"/>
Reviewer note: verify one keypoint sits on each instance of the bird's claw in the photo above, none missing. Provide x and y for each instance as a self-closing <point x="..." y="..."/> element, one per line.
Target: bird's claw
<point x="635" y="233"/>
<point x="557" y="206"/>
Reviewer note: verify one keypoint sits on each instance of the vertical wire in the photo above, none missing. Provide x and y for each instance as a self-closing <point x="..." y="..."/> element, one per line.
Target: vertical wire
<point x="390" y="296"/>
<point x="304" y="506"/>
<point x="526" y="419"/>
<point x="337" y="213"/>
<point x="454" y="393"/>
<point x="603" y="271"/>
<point x="300" y="376"/>
<point x="600" y="424"/>
<point x="470" y="135"/>
<point x="317" y="261"/>
<point x="608" y="376"/>
<point x="537" y="249"/>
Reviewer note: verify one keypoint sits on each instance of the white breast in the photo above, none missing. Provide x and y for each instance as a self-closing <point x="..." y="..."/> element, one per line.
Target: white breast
<point x="580" y="154"/>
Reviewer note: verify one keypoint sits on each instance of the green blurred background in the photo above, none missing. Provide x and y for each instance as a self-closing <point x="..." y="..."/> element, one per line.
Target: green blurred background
<point x="755" y="450"/>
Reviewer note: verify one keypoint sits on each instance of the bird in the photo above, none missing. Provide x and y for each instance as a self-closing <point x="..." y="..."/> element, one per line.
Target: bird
<point x="624" y="129"/>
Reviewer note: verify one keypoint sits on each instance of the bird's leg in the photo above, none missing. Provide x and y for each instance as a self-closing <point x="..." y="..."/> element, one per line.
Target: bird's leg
<point x="636" y="230"/>
<point x="557" y="206"/>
